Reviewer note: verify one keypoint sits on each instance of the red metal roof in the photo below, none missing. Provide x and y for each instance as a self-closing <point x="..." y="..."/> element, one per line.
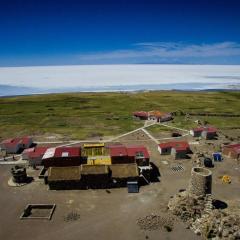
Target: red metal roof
<point x="140" y="114"/>
<point x="25" y="140"/>
<point x="15" y="141"/>
<point x="11" y="142"/>
<point x="67" y="152"/>
<point x="177" y="145"/>
<point x="133" y="150"/>
<point x="117" y="150"/>
<point x="208" y="129"/>
<point x="28" y="150"/>
<point x="38" y="152"/>
<point x="234" y="147"/>
<point x="237" y="145"/>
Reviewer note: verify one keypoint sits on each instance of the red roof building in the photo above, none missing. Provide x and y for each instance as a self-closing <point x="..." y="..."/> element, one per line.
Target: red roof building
<point x="141" y="115"/>
<point x="35" y="157"/>
<point x="131" y="154"/>
<point x="15" y="145"/>
<point x="62" y="157"/>
<point x="232" y="151"/>
<point x="26" y="152"/>
<point x="178" y="149"/>
<point x="153" y="115"/>
<point x="205" y="132"/>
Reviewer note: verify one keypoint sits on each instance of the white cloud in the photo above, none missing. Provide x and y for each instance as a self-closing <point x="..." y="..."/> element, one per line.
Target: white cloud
<point x="165" y="50"/>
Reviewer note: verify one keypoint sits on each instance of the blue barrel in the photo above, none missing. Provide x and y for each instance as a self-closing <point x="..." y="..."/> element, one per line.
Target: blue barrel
<point x="217" y="157"/>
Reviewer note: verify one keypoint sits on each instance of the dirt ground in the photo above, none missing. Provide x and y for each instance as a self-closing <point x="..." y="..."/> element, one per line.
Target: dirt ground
<point x="111" y="214"/>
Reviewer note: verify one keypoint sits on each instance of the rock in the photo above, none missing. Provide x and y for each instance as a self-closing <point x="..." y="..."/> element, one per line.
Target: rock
<point x="237" y="235"/>
<point x="225" y="233"/>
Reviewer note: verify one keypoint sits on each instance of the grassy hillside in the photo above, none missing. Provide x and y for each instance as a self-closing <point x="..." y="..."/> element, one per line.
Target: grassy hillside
<point x="84" y="115"/>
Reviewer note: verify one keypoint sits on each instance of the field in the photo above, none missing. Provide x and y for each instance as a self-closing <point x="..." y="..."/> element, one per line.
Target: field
<point x="89" y="115"/>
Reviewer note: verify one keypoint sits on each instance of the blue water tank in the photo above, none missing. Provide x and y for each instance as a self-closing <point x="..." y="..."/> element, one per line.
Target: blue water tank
<point x="217" y="157"/>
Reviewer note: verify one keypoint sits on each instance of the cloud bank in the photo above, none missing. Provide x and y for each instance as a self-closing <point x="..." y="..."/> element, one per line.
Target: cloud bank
<point x="167" y="52"/>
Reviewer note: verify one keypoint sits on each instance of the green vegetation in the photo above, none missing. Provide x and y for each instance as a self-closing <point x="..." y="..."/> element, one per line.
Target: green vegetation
<point x="84" y="115"/>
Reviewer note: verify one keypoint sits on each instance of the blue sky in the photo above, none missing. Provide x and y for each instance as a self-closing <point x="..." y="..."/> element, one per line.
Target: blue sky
<point x="119" y="32"/>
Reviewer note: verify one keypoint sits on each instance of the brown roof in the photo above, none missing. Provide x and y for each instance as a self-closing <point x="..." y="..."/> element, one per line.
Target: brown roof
<point x="94" y="169"/>
<point x="124" y="170"/>
<point x="64" y="173"/>
<point x="157" y="113"/>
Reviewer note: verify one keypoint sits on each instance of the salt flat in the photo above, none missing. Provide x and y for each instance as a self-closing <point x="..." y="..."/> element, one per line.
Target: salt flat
<point x="119" y="77"/>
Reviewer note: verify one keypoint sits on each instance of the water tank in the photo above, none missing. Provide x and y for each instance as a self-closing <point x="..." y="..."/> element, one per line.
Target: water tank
<point x="19" y="174"/>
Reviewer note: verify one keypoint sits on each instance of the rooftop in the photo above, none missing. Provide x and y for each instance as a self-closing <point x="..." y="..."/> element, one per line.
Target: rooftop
<point x="177" y="145"/>
<point x="64" y="173"/>
<point x="94" y="169"/>
<point x="124" y="170"/>
<point x="132" y="151"/>
<point x="62" y="152"/>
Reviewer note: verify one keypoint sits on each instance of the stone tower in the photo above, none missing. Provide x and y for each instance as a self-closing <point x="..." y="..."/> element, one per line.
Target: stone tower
<point x="201" y="181"/>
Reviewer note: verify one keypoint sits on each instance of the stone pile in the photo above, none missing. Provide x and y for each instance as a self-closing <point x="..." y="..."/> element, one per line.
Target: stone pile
<point x="155" y="222"/>
<point x="224" y="226"/>
<point x="186" y="206"/>
<point x="195" y="207"/>
<point x="200" y="215"/>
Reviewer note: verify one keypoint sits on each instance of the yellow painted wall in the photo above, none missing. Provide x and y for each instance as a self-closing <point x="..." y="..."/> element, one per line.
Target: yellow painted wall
<point x="99" y="160"/>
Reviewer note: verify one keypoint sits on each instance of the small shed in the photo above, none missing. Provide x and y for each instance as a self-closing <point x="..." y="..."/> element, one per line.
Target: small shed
<point x="209" y="133"/>
<point x="12" y="145"/>
<point x="204" y="132"/>
<point x="16" y="145"/>
<point x="232" y="151"/>
<point x="178" y="149"/>
<point x="165" y="148"/>
<point x="179" y="152"/>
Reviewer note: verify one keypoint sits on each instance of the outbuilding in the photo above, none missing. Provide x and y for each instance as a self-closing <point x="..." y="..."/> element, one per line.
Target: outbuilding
<point x="16" y="145"/>
<point x="178" y="149"/>
<point x="204" y="132"/>
<point x="232" y="151"/>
